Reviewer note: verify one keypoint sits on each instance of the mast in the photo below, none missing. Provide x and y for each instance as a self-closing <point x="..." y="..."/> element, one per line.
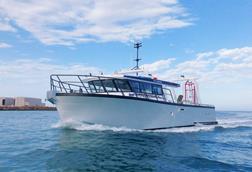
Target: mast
<point x="137" y="45"/>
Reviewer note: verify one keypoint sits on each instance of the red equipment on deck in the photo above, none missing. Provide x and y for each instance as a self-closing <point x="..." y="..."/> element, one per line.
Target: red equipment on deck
<point x="190" y="93"/>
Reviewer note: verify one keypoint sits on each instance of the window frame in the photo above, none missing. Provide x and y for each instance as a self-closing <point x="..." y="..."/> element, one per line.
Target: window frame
<point x="113" y="83"/>
<point x="124" y="80"/>
<point x="142" y="87"/>
<point x="161" y="89"/>
<point x="101" y="88"/>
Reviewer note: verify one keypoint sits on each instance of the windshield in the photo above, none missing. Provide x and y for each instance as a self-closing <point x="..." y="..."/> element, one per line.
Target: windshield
<point x="147" y="88"/>
<point x="109" y="85"/>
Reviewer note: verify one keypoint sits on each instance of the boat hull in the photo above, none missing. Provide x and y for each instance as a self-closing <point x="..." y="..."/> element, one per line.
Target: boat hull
<point x="130" y="112"/>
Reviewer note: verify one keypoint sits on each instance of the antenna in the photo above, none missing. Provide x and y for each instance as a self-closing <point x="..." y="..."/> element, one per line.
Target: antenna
<point x="137" y="45"/>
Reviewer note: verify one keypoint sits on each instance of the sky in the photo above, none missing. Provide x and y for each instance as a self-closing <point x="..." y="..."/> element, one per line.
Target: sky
<point x="210" y="40"/>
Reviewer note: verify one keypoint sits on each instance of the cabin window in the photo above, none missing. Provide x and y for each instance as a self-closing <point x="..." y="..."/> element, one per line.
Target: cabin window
<point x="141" y="87"/>
<point x="157" y="89"/>
<point x="92" y="87"/>
<point x="109" y="85"/>
<point x="135" y="86"/>
<point x="145" y="88"/>
<point x="98" y="86"/>
<point x="122" y="85"/>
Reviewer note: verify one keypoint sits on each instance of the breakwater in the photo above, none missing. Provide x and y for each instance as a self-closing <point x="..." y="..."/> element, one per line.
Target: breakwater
<point x="27" y="108"/>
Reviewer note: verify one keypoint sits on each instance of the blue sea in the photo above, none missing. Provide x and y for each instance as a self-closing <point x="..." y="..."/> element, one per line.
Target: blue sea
<point x="38" y="141"/>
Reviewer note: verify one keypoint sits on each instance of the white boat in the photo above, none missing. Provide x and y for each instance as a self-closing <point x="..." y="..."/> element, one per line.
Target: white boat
<point x="128" y="100"/>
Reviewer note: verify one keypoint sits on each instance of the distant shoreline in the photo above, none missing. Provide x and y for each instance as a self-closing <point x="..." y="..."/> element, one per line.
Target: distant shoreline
<point x="27" y="108"/>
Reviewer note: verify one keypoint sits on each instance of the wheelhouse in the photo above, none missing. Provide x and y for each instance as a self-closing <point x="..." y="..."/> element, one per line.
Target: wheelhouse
<point x="132" y="86"/>
<point x="125" y="85"/>
<point x="109" y="85"/>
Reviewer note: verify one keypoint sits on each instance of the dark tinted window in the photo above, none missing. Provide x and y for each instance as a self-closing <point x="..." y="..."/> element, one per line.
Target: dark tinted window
<point x="140" y="87"/>
<point x="145" y="88"/>
<point x="98" y="86"/>
<point x="157" y="89"/>
<point x="109" y="85"/>
<point x="135" y="86"/>
<point x="91" y="86"/>
<point x="122" y="85"/>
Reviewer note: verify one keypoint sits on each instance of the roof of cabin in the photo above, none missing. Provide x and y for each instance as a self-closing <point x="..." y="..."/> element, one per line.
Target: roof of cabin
<point x="143" y="78"/>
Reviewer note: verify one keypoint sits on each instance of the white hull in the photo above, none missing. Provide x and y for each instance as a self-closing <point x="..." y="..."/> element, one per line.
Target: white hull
<point x="131" y="113"/>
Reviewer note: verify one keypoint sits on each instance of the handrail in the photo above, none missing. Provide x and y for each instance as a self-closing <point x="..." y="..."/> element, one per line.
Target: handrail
<point x="82" y="84"/>
<point x="78" y="81"/>
<point x="58" y="84"/>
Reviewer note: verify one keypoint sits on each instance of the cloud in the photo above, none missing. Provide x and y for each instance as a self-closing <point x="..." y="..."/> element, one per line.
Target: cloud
<point x="224" y="76"/>
<point x="6" y="27"/>
<point x="68" y="22"/>
<point x="158" y="66"/>
<point x="35" y="70"/>
<point x="5" y="45"/>
<point x="29" y="77"/>
<point x="236" y="53"/>
<point x="5" y="23"/>
<point x="224" y="65"/>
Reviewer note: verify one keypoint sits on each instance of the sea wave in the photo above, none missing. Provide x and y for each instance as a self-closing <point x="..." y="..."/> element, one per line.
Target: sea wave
<point x="234" y="123"/>
<point x="90" y="127"/>
<point x="196" y="128"/>
<point x="224" y="123"/>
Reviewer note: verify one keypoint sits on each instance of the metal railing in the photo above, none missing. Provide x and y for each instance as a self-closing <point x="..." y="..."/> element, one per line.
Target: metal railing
<point x="79" y="84"/>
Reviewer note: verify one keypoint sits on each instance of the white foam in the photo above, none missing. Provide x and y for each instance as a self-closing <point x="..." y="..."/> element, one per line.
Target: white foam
<point x="232" y="122"/>
<point x="98" y="127"/>
<point x="87" y="127"/>
<point x="196" y="128"/>
<point x="235" y="122"/>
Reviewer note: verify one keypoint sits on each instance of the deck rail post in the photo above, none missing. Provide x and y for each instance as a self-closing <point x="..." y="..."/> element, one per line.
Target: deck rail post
<point x="61" y="83"/>
<point x="82" y="83"/>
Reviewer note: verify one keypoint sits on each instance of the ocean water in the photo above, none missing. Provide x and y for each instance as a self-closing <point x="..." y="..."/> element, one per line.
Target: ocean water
<point x="37" y="141"/>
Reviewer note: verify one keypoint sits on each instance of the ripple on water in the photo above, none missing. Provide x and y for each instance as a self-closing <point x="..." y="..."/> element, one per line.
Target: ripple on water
<point x="36" y="141"/>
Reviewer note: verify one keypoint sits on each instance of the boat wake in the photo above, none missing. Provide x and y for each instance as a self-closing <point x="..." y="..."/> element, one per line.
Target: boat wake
<point x="223" y="123"/>
<point x="90" y="127"/>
